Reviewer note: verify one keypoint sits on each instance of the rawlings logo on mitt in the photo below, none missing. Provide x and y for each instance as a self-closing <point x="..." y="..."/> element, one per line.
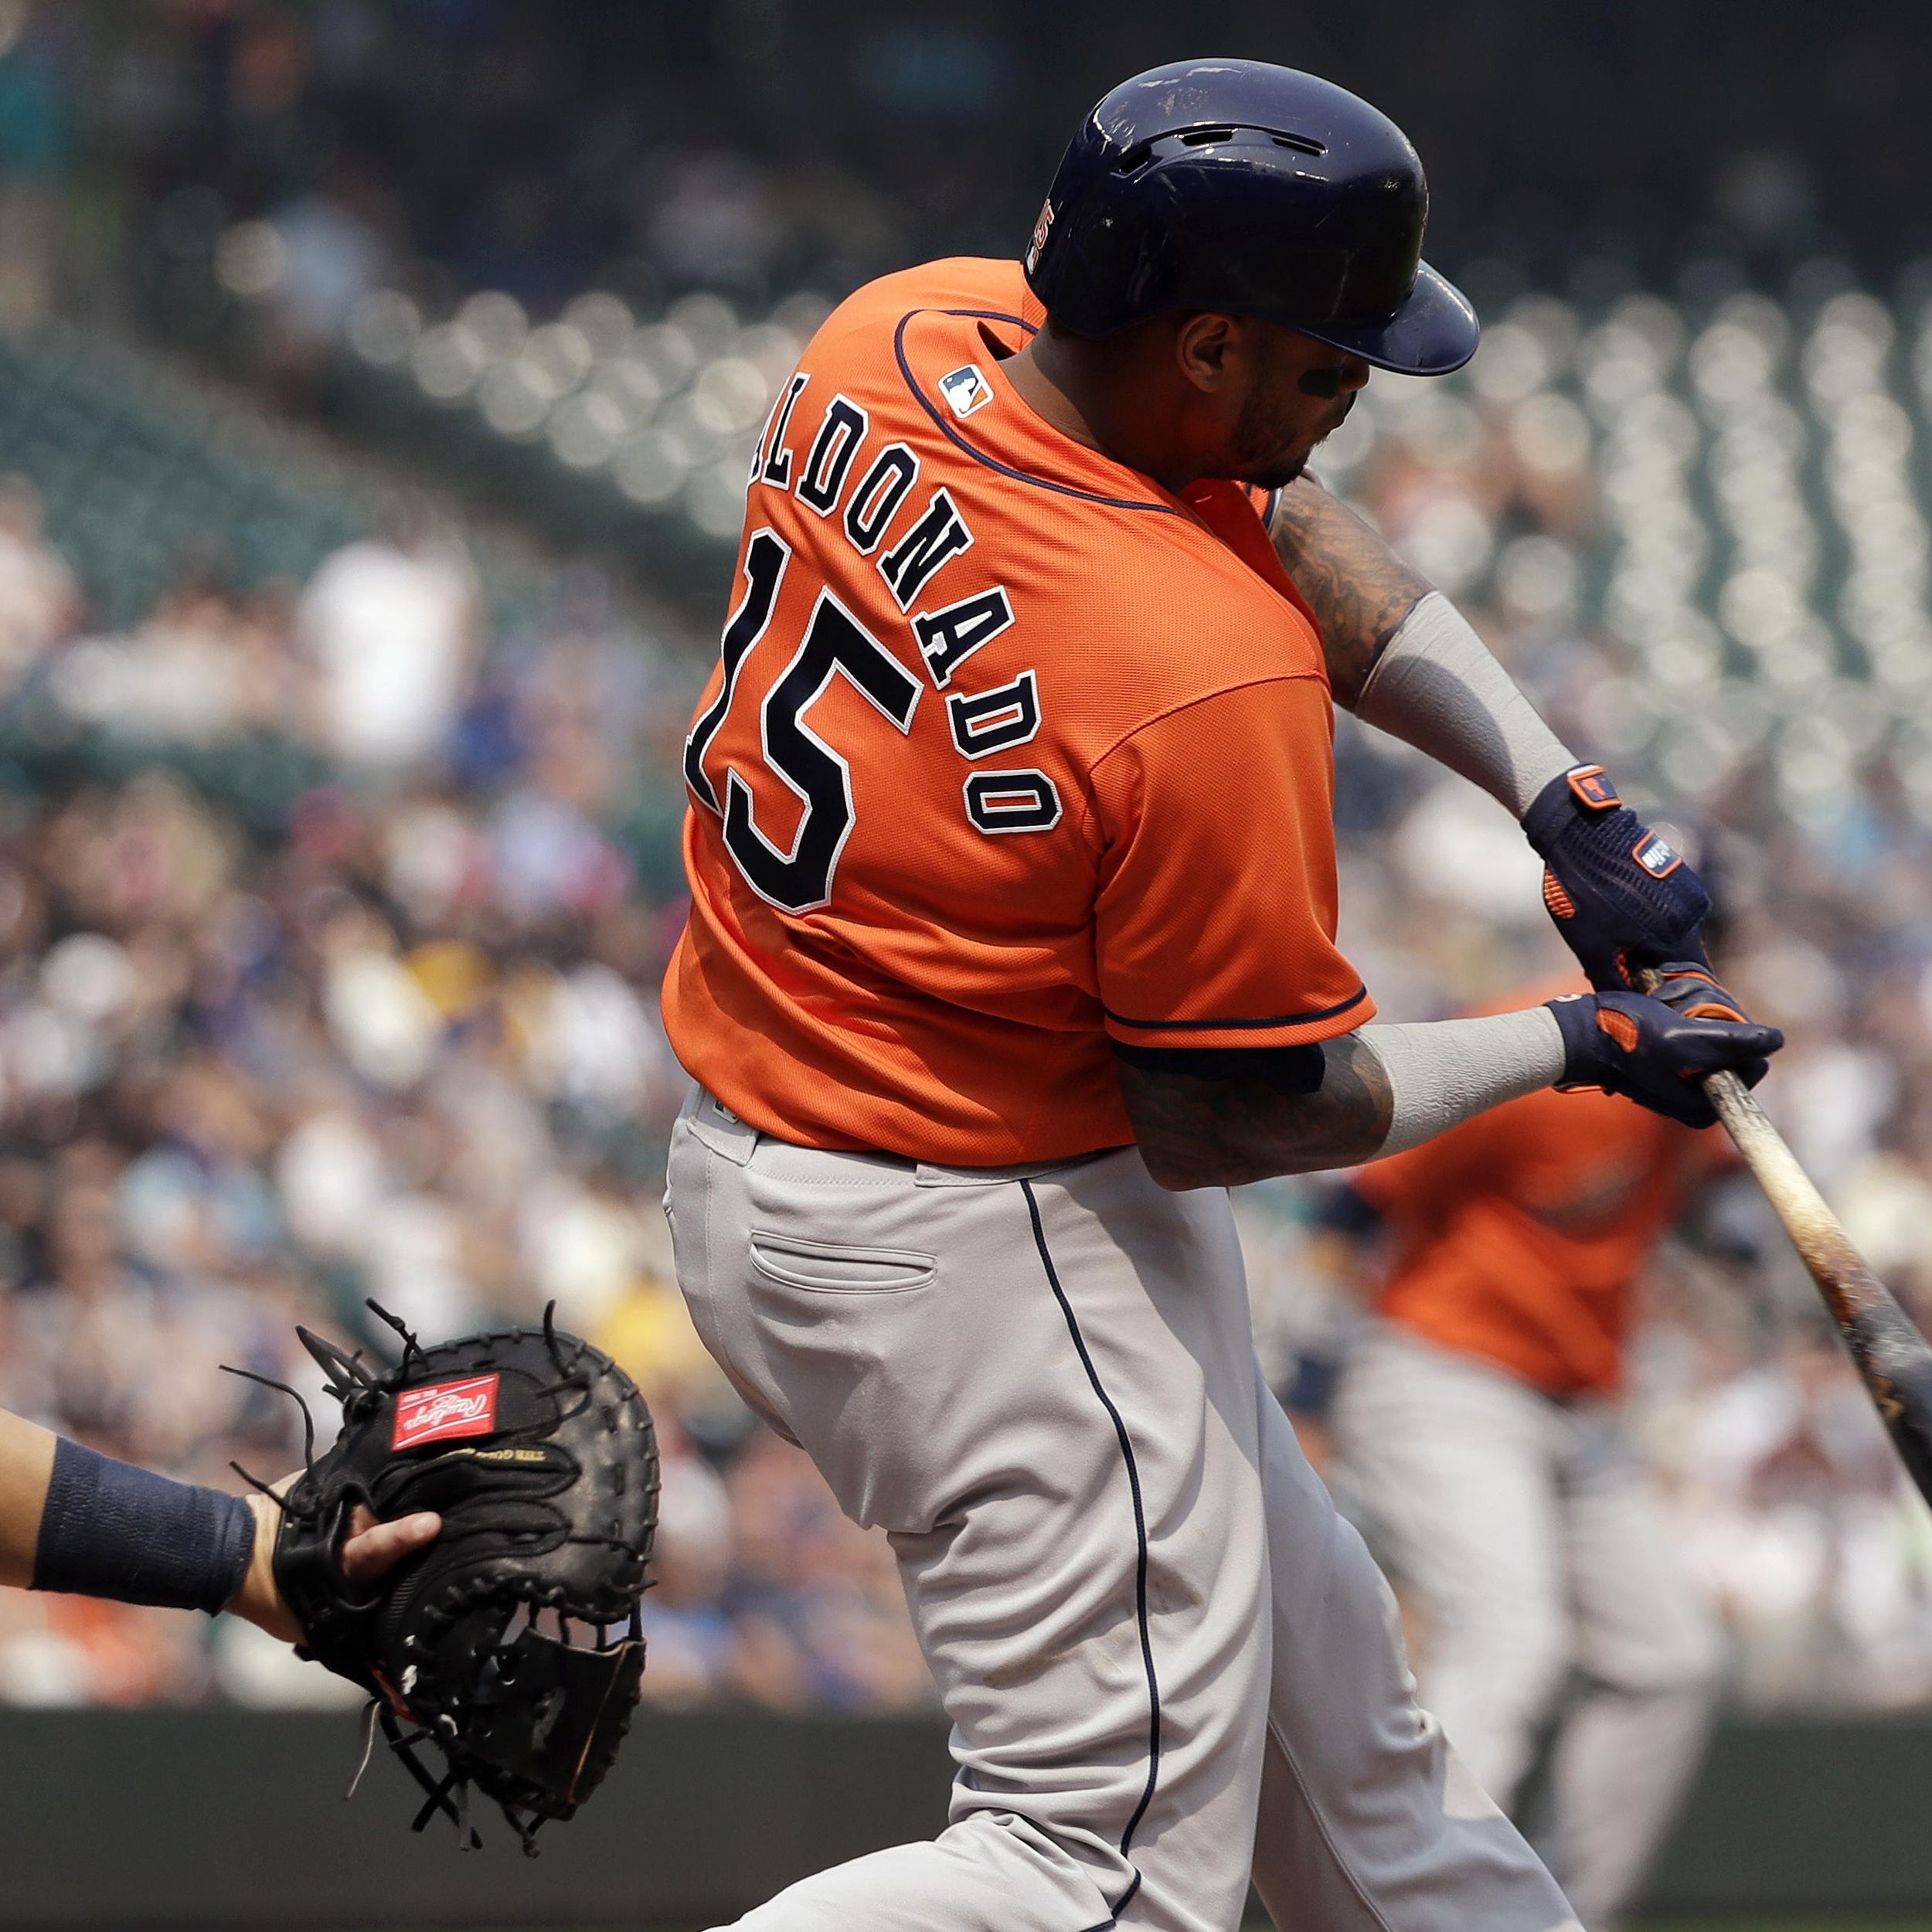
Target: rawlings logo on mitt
<point x="445" y="1409"/>
<point x="511" y="1642"/>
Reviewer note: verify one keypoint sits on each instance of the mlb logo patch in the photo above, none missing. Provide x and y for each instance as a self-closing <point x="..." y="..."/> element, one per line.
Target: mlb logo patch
<point x="966" y="390"/>
<point x="445" y="1411"/>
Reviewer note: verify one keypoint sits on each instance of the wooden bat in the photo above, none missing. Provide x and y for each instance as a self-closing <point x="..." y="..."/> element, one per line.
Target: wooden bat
<point x="1890" y="1354"/>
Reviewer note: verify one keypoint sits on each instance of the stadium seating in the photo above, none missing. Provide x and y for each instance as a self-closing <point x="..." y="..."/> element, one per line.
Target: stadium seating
<point x="1733" y="496"/>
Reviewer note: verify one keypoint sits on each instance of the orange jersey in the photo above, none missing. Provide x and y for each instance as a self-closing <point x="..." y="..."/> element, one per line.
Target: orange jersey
<point x="1520" y="1234"/>
<point x="1009" y="754"/>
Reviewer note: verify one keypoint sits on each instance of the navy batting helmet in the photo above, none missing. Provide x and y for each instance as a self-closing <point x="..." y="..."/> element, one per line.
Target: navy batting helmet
<point x="1234" y="185"/>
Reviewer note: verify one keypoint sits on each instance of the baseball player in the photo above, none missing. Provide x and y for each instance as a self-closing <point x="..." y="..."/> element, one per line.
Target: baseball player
<point x="1012" y="947"/>
<point x="1476" y="1430"/>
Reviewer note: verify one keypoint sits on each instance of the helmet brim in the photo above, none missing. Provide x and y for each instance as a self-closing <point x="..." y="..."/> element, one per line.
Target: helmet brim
<point x="1434" y="331"/>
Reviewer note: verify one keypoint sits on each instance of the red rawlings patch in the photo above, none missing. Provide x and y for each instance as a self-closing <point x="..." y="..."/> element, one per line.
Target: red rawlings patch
<point x="445" y="1411"/>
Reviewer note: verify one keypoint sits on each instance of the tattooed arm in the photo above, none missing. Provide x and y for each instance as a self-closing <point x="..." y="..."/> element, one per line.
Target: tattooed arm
<point x="1401" y="657"/>
<point x="1358" y="588"/>
<point x="1199" y="1130"/>
<point x="1220" y="1117"/>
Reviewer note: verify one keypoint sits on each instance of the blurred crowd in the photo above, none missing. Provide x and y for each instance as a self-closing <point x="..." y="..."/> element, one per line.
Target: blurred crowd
<point x="332" y="911"/>
<point x="1792" y="760"/>
<point x="404" y="1045"/>
<point x="401" y="1043"/>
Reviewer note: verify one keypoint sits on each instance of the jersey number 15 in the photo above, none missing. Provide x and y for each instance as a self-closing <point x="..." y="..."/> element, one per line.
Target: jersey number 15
<point x="834" y="643"/>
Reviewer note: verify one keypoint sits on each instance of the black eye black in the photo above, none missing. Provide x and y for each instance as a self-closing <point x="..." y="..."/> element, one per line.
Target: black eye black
<point x="1325" y="383"/>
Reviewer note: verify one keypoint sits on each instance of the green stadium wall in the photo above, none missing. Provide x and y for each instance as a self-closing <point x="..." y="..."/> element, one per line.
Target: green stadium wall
<point x="226" y="1819"/>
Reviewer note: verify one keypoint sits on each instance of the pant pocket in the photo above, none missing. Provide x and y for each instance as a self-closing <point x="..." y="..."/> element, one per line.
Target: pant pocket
<point x="830" y="1268"/>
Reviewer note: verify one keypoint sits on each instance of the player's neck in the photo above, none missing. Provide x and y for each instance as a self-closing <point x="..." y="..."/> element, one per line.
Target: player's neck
<point x="1090" y="395"/>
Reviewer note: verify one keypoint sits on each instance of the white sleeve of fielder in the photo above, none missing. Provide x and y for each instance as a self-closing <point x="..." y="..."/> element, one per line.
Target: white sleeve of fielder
<point x="1436" y="686"/>
<point x="1442" y="1072"/>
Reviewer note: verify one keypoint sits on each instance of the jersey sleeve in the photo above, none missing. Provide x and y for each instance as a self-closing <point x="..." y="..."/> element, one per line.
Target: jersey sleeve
<point x="1214" y="921"/>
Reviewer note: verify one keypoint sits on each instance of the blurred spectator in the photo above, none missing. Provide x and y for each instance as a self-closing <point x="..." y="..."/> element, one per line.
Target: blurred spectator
<point x="335" y="246"/>
<point x="389" y="625"/>
<point x="39" y="601"/>
<point x="691" y="1640"/>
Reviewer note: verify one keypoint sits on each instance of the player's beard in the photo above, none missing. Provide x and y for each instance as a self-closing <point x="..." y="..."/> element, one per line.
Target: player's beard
<point x="1276" y="475"/>
<point x="1271" y="446"/>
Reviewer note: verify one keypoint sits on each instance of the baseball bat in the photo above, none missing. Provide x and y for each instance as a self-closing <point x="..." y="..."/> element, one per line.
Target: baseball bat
<point x="1890" y="1355"/>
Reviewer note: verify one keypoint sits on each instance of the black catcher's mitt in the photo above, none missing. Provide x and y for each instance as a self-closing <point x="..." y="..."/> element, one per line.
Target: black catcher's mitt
<point x="538" y="1452"/>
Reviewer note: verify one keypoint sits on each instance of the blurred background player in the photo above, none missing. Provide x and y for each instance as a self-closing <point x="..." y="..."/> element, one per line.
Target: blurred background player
<point x="1477" y="1433"/>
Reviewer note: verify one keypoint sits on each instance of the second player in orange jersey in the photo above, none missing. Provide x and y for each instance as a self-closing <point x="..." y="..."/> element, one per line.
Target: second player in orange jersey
<point x="1476" y="1430"/>
<point x="1519" y="1239"/>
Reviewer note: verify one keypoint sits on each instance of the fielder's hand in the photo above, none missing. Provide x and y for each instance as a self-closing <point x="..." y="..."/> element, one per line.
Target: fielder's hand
<point x="1654" y="1049"/>
<point x="1622" y="897"/>
<point x="371" y="1550"/>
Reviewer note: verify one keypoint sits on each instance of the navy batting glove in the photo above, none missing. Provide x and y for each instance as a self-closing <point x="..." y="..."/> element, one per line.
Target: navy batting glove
<point x="1653" y="1049"/>
<point x="1622" y="897"/>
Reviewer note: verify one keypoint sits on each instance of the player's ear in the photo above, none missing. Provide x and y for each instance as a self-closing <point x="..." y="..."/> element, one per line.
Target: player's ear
<point x="1204" y="347"/>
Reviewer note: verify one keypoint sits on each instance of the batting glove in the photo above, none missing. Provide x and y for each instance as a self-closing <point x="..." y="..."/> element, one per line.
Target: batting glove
<point x="1653" y="1049"/>
<point x="1622" y="897"/>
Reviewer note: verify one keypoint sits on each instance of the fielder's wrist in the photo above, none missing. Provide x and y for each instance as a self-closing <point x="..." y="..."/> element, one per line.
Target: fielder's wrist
<point x="258" y="1600"/>
<point x="110" y="1529"/>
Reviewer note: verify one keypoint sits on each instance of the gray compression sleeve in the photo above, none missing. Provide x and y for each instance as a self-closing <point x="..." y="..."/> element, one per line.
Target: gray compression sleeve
<point x="1436" y="686"/>
<point x="1444" y="1071"/>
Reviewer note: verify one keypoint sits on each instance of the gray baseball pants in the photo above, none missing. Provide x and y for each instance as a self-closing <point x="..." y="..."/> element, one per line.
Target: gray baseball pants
<point x="1549" y="1588"/>
<point x="1166" y="1661"/>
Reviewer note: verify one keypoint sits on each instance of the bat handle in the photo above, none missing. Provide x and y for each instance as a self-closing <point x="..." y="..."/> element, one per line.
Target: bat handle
<point x="1890" y="1353"/>
<point x="1791" y="1189"/>
<point x="1822" y="1244"/>
<point x="1763" y="1147"/>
